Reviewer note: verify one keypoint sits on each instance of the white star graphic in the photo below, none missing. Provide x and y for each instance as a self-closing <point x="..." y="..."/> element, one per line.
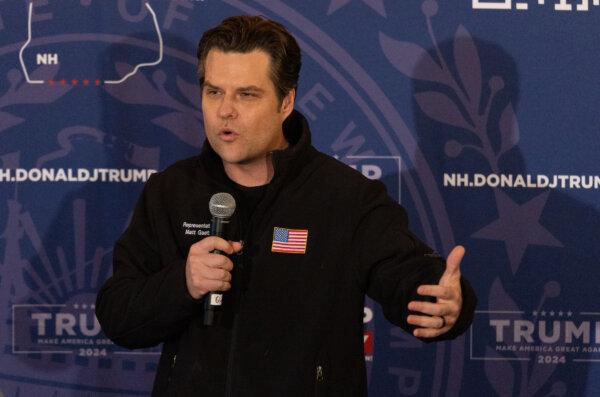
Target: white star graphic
<point x="518" y="226"/>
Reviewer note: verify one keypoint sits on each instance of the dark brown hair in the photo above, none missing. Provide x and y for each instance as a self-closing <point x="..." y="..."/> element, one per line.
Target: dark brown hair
<point x="247" y="33"/>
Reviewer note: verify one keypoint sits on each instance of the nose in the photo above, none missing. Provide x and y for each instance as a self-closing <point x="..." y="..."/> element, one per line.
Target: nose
<point x="227" y="108"/>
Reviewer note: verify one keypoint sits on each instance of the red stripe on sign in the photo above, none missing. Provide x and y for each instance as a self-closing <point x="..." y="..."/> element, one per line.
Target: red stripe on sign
<point x="368" y="342"/>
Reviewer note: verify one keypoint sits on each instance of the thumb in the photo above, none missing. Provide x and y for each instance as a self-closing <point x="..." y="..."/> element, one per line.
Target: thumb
<point x="453" y="261"/>
<point x="236" y="245"/>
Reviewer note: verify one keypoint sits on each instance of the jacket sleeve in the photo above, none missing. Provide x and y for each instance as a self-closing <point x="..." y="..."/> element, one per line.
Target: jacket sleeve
<point x="145" y="302"/>
<point x="393" y="263"/>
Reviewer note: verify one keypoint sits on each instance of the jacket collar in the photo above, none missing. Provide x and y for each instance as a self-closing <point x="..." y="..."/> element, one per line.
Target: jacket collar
<point x="286" y="162"/>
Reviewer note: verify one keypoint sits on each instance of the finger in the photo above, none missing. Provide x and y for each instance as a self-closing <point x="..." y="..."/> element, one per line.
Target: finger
<point x="208" y="273"/>
<point x="211" y="243"/>
<point x="433" y="309"/>
<point x="454" y="259"/>
<point x="225" y="286"/>
<point x="426" y="321"/>
<point x="217" y="261"/>
<point x="450" y="310"/>
<point x="215" y="285"/>
<point x="438" y="291"/>
<point x="225" y="263"/>
<point x="210" y="260"/>
<point x="428" y="332"/>
<point x="236" y="245"/>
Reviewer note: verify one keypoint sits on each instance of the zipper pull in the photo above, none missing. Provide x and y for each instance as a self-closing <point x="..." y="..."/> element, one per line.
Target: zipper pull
<point x="319" y="373"/>
<point x="171" y="370"/>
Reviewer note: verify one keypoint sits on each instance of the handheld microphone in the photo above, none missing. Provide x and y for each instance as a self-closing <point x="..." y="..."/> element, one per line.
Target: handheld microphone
<point x="222" y="207"/>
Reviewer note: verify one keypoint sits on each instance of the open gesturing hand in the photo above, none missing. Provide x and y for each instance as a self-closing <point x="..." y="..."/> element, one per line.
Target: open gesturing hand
<point x="437" y="318"/>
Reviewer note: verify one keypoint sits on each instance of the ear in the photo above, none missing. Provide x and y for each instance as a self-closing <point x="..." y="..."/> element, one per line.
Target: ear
<point x="287" y="104"/>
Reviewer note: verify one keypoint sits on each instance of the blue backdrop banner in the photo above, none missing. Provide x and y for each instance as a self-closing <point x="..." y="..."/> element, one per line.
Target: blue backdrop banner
<point x="479" y="116"/>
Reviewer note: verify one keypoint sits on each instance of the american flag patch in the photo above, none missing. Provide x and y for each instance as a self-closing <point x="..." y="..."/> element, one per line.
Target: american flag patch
<point x="289" y="241"/>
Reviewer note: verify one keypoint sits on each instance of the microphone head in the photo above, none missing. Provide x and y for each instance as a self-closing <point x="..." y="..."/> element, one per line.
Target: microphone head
<point x="221" y="205"/>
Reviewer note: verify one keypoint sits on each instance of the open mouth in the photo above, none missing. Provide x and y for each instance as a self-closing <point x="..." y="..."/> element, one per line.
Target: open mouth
<point x="227" y="134"/>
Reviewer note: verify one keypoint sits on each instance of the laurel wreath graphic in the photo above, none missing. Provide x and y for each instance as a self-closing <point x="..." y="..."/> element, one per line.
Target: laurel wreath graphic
<point x="20" y="92"/>
<point x="462" y="102"/>
<point x="185" y="119"/>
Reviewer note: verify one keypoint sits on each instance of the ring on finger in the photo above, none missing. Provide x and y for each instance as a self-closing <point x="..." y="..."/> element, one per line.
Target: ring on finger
<point x="443" y="322"/>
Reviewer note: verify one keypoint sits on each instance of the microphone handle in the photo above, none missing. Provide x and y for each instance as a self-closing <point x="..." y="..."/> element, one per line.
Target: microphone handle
<point x="213" y="300"/>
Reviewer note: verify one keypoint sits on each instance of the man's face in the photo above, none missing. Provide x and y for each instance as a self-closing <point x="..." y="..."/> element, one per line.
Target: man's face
<point x="242" y="114"/>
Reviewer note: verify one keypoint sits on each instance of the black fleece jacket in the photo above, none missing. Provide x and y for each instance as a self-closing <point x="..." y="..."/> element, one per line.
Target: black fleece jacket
<point x="292" y="323"/>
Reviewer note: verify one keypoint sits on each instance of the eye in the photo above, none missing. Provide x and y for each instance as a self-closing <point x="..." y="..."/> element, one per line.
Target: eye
<point x="211" y="91"/>
<point x="248" y="94"/>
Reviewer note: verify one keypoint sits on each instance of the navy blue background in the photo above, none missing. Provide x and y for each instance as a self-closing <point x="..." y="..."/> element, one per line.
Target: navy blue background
<point x="373" y="63"/>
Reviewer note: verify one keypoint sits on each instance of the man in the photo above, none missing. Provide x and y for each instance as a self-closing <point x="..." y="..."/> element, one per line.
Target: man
<point x="292" y="321"/>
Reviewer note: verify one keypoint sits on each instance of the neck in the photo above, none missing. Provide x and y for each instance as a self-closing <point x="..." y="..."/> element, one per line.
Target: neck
<point x="257" y="173"/>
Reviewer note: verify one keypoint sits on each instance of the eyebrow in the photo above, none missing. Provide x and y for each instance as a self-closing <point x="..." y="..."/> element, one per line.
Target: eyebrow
<point x="251" y="88"/>
<point x="206" y="84"/>
<point x="246" y="88"/>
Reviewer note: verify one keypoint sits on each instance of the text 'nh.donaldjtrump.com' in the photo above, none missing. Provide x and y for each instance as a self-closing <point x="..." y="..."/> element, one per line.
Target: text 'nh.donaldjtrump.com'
<point x="526" y="181"/>
<point x="119" y="175"/>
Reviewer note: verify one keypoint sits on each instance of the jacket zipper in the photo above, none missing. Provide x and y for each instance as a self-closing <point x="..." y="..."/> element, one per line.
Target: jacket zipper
<point x="245" y="235"/>
<point x="228" y="380"/>
<point x="230" y="360"/>
<point x="320" y="376"/>
<point x="172" y="368"/>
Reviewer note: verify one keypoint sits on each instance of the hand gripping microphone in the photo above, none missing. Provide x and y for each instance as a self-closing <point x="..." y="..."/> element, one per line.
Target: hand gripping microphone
<point x="222" y="207"/>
